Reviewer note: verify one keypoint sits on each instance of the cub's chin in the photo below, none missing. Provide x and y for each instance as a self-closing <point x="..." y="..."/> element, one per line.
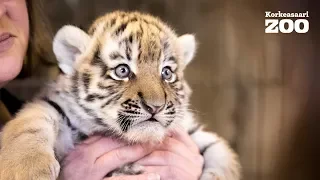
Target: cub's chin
<point x="151" y="132"/>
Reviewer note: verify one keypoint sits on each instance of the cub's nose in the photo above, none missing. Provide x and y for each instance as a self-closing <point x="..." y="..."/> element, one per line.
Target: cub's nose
<point x="151" y="108"/>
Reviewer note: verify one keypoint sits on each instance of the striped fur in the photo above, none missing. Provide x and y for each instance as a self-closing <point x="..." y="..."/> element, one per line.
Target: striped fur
<point x="92" y="98"/>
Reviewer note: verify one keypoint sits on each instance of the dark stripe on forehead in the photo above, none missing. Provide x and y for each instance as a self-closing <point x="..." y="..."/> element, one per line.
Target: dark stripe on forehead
<point x="127" y="41"/>
<point x="141" y="30"/>
<point x="133" y="19"/>
<point x="128" y="50"/>
<point x="154" y="52"/>
<point x="122" y="14"/>
<point x="113" y="21"/>
<point x="153" y="24"/>
<point x="121" y="28"/>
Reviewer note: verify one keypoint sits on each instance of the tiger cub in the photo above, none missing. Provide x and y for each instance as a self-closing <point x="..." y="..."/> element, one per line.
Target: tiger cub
<point x="123" y="78"/>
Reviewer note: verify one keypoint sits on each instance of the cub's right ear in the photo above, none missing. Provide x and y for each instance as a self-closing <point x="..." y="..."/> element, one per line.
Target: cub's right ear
<point x="68" y="43"/>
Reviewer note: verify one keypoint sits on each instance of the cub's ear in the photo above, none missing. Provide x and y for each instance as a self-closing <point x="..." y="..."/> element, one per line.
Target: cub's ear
<point x="68" y="44"/>
<point x="188" y="45"/>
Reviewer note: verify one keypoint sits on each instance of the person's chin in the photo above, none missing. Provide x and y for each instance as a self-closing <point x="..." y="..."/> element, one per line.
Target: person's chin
<point x="10" y="67"/>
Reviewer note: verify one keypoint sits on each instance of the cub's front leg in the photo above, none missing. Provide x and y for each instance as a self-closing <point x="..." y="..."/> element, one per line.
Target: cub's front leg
<point x="220" y="161"/>
<point x="27" y="144"/>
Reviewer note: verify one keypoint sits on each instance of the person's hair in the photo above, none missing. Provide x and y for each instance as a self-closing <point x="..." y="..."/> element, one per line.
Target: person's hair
<point x="39" y="50"/>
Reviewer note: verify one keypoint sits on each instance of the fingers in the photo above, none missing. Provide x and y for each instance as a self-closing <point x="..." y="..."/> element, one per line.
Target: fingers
<point x="177" y="147"/>
<point x="103" y="146"/>
<point x="121" y="156"/>
<point x="150" y="176"/>
<point x="182" y="136"/>
<point x="168" y="172"/>
<point x="166" y="158"/>
<point x="91" y="149"/>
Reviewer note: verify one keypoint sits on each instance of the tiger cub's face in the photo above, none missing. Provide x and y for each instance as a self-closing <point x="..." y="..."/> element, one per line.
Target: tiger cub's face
<point x="127" y="73"/>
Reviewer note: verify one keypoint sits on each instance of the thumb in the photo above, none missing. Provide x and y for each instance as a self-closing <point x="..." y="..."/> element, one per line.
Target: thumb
<point x="136" y="177"/>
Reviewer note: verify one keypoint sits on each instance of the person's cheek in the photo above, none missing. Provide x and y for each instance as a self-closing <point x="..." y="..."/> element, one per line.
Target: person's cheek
<point x="18" y="15"/>
<point x="15" y="21"/>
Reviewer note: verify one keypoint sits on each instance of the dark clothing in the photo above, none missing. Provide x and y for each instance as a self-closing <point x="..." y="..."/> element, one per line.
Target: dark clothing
<point x="12" y="103"/>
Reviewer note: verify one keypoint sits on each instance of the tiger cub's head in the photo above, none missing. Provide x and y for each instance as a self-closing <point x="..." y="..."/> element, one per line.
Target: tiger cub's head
<point x="127" y="72"/>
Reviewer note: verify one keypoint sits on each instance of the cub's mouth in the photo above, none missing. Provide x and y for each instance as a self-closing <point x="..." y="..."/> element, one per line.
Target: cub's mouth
<point x="152" y="120"/>
<point x="145" y="130"/>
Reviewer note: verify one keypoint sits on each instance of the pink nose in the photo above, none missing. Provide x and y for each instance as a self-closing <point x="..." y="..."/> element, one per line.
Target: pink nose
<point x="152" y="109"/>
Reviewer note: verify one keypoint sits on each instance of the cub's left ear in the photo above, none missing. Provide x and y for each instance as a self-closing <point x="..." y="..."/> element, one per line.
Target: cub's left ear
<point x="188" y="45"/>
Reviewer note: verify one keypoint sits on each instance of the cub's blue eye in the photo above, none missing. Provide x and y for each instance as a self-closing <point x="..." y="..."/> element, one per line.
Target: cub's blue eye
<point x="166" y="73"/>
<point x="122" y="71"/>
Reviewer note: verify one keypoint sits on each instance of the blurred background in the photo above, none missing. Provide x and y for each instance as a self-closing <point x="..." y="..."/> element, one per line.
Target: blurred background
<point x="257" y="90"/>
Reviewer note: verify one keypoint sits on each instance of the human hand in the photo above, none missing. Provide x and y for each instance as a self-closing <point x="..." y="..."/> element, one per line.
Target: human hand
<point x="97" y="156"/>
<point x="177" y="158"/>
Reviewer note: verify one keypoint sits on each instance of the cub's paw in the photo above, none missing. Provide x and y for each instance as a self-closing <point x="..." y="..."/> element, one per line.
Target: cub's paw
<point x="28" y="165"/>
